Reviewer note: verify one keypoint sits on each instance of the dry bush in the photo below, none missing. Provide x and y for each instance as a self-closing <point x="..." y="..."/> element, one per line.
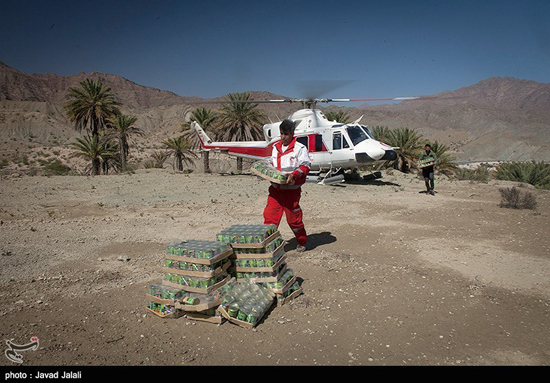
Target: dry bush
<point x="517" y="199"/>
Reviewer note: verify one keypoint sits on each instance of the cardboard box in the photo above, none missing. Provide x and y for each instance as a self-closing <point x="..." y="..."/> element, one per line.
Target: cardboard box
<point x="264" y="280"/>
<point x="198" y="290"/>
<point x="255" y="245"/>
<point x="284" y="288"/>
<point x="198" y="307"/>
<point x="271" y="269"/>
<point x="424" y="164"/>
<point x="285" y="300"/>
<point x="152" y="298"/>
<point x="174" y="315"/>
<point x="205" y="318"/>
<point x="273" y="254"/>
<point x="267" y="177"/>
<point x="199" y="274"/>
<point x="202" y="261"/>
<point x="240" y="322"/>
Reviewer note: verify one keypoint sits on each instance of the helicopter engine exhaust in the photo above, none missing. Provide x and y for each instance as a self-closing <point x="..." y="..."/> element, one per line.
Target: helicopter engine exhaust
<point x="390" y="155"/>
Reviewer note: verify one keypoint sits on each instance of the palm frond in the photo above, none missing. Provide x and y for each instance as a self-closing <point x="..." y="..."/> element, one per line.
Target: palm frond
<point x="240" y="120"/>
<point x="338" y="116"/>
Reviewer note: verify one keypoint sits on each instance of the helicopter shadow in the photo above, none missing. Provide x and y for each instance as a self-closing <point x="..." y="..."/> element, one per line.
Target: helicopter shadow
<point x="375" y="182"/>
<point x="313" y="241"/>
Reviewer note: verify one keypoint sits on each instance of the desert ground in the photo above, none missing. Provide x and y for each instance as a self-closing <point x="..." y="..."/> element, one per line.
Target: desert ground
<point x="392" y="276"/>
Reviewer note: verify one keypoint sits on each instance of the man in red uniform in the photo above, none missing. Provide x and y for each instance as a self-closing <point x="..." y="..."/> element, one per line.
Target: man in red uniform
<point x="288" y="156"/>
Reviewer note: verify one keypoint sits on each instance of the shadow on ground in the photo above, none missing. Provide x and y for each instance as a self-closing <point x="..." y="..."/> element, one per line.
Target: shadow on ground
<point x="313" y="241"/>
<point x="372" y="182"/>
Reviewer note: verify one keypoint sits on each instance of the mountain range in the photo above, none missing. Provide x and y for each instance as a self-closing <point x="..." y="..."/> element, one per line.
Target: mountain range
<point x="499" y="118"/>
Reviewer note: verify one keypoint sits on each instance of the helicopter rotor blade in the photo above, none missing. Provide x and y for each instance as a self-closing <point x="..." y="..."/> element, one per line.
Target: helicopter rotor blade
<point x="313" y="101"/>
<point x="313" y="89"/>
<point x="368" y="99"/>
<point x="244" y="101"/>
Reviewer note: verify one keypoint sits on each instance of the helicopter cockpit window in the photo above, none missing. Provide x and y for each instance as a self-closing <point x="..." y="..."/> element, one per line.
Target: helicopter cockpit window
<point x="318" y="143"/>
<point x="366" y="129"/>
<point x="336" y="140"/>
<point x="345" y="141"/>
<point x="356" y="134"/>
<point x="303" y="140"/>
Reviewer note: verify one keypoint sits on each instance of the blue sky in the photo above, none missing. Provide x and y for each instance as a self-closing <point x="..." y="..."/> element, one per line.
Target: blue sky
<point x="211" y="48"/>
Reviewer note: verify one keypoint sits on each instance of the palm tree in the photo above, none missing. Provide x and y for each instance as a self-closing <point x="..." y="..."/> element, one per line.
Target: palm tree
<point x="206" y="119"/>
<point x="180" y="148"/>
<point x="380" y="133"/>
<point x="445" y="162"/>
<point x="94" y="148"/>
<point x="409" y="143"/>
<point x="240" y="121"/>
<point x="90" y="105"/>
<point x="122" y="126"/>
<point x="338" y="116"/>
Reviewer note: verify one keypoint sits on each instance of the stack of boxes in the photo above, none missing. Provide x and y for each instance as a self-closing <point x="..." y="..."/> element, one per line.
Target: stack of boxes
<point x="193" y="271"/>
<point x="259" y="257"/>
<point x="198" y="277"/>
<point x="197" y="266"/>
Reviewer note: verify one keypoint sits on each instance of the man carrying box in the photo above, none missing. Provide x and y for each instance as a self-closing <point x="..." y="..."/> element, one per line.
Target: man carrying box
<point x="428" y="171"/>
<point x="291" y="157"/>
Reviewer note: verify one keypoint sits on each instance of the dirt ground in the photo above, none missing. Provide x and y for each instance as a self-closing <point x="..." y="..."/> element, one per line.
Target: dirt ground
<point x="392" y="276"/>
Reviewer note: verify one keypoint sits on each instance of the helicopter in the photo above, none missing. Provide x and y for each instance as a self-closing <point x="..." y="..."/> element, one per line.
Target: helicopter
<point x="333" y="147"/>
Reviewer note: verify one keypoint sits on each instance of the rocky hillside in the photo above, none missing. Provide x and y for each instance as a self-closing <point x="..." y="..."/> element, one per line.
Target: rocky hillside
<point x="495" y="119"/>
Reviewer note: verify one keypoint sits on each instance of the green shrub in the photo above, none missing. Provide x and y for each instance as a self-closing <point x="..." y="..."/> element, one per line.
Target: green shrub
<point x="56" y="168"/>
<point x="534" y="173"/>
<point x="150" y="164"/>
<point x="479" y="174"/>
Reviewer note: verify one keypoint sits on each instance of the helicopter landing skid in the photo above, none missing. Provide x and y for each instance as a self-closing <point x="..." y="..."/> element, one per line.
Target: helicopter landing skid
<point x="331" y="177"/>
<point x="376" y="174"/>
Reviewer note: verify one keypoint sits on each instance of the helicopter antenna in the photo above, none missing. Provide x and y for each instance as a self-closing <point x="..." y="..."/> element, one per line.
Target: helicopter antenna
<point x="359" y="119"/>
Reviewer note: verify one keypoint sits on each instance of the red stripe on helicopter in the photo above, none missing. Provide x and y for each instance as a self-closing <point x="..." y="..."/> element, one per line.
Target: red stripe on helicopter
<point x="250" y="151"/>
<point x="316" y="144"/>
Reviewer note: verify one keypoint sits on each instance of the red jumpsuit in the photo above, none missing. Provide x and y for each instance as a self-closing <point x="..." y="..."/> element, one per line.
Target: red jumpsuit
<point x="286" y="198"/>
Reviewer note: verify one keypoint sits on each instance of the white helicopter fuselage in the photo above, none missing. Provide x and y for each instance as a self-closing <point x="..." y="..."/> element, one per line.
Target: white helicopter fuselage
<point x="330" y="144"/>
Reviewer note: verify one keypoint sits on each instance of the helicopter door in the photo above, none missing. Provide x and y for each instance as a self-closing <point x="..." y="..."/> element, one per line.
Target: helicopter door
<point x="342" y="151"/>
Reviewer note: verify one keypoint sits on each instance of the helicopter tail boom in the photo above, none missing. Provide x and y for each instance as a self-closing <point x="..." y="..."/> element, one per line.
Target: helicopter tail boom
<point x="247" y="149"/>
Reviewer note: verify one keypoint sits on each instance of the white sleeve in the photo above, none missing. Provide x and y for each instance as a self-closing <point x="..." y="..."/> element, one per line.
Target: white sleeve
<point x="273" y="158"/>
<point x="303" y="157"/>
